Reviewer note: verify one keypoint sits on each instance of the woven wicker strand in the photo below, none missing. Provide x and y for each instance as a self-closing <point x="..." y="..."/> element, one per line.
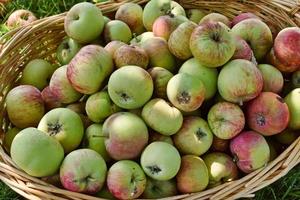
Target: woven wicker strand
<point x="40" y="40"/>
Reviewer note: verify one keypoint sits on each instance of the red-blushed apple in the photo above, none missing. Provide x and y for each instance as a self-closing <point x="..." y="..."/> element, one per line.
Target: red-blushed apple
<point x="25" y="106"/>
<point x="267" y="114"/>
<point x="193" y="175"/>
<point x="89" y="68"/>
<point x="159" y="189"/>
<point x="160" y="77"/>
<point x="292" y="101"/>
<point x="162" y="117"/>
<point x="242" y="50"/>
<point x="194" y="137"/>
<point x="67" y="50"/>
<point x="9" y="137"/>
<point x="154" y="136"/>
<point x="119" y="140"/>
<point x="126" y="180"/>
<point x="20" y="18"/>
<point x="250" y="150"/>
<point x="240" y="81"/>
<point x="77" y="23"/>
<point x="215" y="17"/>
<point x="61" y="88"/>
<point x="243" y="16"/>
<point x="117" y="30"/>
<point x="273" y="60"/>
<point x="220" y="144"/>
<point x="212" y="44"/>
<point x="51" y="101"/>
<point x="226" y="120"/>
<point x="160" y="166"/>
<point x="296" y="79"/>
<point x="273" y="78"/>
<point x="287" y="136"/>
<point x="221" y="168"/>
<point x="195" y="14"/>
<point x="112" y="46"/>
<point x="84" y="171"/>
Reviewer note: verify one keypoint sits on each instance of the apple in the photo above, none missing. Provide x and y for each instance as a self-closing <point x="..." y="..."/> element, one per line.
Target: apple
<point x="219" y="145"/>
<point x="243" y="16"/>
<point x="292" y="101"/>
<point x="160" y="166"/>
<point x="130" y="87"/>
<point x="67" y="49"/>
<point x="154" y="136"/>
<point x="37" y="73"/>
<point x="273" y="78"/>
<point x="117" y="30"/>
<point x="39" y="159"/>
<point x="212" y="44"/>
<point x="119" y="141"/>
<point x="78" y="24"/>
<point x="126" y="180"/>
<point x="162" y="117"/>
<point x="50" y="100"/>
<point x="25" y="106"/>
<point x="105" y="193"/>
<point x="160" y="77"/>
<point x="138" y="39"/>
<point x="195" y="14"/>
<point x="9" y="137"/>
<point x="273" y="60"/>
<point x="159" y="189"/>
<point x="112" y="46"/>
<point x="20" y="18"/>
<point x="215" y="17"/>
<point x="193" y="175"/>
<point x="84" y="171"/>
<point x="287" y="136"/>
<point x="296" y="79"/>
<point x="89" y="68"/>
<point x="242" y="50"/>
<point x="78" y="107"/>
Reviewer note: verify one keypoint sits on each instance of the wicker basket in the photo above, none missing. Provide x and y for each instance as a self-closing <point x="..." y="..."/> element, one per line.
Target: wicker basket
<point x="40" y="40"/>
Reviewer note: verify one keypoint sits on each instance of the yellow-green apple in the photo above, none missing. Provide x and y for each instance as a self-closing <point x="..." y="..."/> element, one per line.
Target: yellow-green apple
<point x="160" y="77"/>
<point x="84" y="171"/>
<point x="99" y="106"/>
<point x="257" y="34"/>
<point x="130" y="87"/>
<point x="292" y="101"/>
<point x="193" y="175"/>
<point x="37" y="73"/>
<point x="296" y="79"/>
<point x="25" y="106"/>
<point x="195" y="14"/>
<point x="287" y="137"/>
<point x="243" y="16"/>
<point x="162" y="117"/>
<point x="194" y="137"/>
<point x="207" y="75"/>
<point x="212" y="44"/>
<point x="9" y="137"/>
<point x="67" y="50"/>
<point x="126" y="179"/>
<point x="267" y="114"/>
<point x="221" y="168"/>
<point x="137" y="40"/>
<point x="61" y="88"/>
<point x="132" y="15"/>
<point x="159" y="189"/>
<point x="112" y="46"/>
<point x="240" y="81"/>
<point x="32" y="150"/>
<point x="154" y="136"/>
<point x="186" y="92"/>
<point x="226" y="120"/>
<point x="78" y="24"/>
<point x="250" y="150"/>
<point x="126" y="141"/>
<point x="215" y="17"/>
<point x="159" y="53"/>
<point x="117" y="30"/>
<point x="242" y="50"/>
<point x="50" y="100"/>
<point x="273" y="78"/>
<point x="179" y="40"/>
<point x="273" y="60"/>
<point x="20" y="18"/>
<point x="89" y="68"/>
<point x="131" y="55"/>
<point x="160" y="166"/>
<point x="220" y="144"/>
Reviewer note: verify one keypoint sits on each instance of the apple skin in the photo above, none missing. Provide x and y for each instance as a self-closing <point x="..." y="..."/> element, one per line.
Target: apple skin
<point x="78" y="107"/>
<point x="194" y="137"/>
<point x="117" y="30"/>
<point x="212" y="44"/>
<point x="250" y="150"/>
<point x="9" y="137"/>
<point x="241" y="17"/>
<point x="186" y="92"/>
<point x="132" y="15"/>
<point x="112" y="46"/>
<point x="42" y="151"/>
<point x="240" y="81"/>
<point x="130" y="87"/>
<point x="220" y="145"/>
<point x="20" y="18"/>
<point x="67" y="50"/>
<point x="179" y="40"/>
<point x="195" y="15"/>
<point x="257" y="34"/>
<point x="226" y="120"/>
<point x="208" y="76"/>
<point x="65" y="126"/>
<point x="89" y="68"/>
<point x="193" y="175"/>
<point x="78" y="24"/>
<point x="154" y="136"/>
<point x="119" y="139"/>
<point x="61" y="88"/>
<point x="160" y="166"/>
<point x="162" y="117"/>
<point x="99" y="106"/>
<point x="160" y="77"/>
<point x="292" y="101"/>
<point x="273" y="60"/>
<point x="221" y="168"/>
<point x="25" y="106"/>
<point x="267" y="114"/>
<point x="137" y="40"/>
<point x="159" y="189"/>
<point x="242" y="50"/>
<point x="126" y="180"/>
<point x="296" y="79"/>
<point x="131" y="55"/>
<point x="84" y="171"/>
<point x="215" y="17"/>
<point x="37" y="73"/>
<point x="50" y="100"/>
<point x="273" y="78"/>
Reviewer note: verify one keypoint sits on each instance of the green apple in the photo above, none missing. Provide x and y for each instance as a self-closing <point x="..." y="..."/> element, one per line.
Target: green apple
<point x="273" y="78"/>
<point x="67" y="50"/>
<point x="160" y="77"/>
<point x="296" y="79"/>
<point x="292" y="100"/>
<point x="117" y="30"/>
<point x="9" y="137"/>
<point x="195" y="14"/>
<point x="137" y="40"/>
<point x="287" y="137"/>
<point x="159" y="189"/>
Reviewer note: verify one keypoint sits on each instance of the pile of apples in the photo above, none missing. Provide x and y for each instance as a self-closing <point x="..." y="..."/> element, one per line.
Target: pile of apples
<point x="157" y="102"/>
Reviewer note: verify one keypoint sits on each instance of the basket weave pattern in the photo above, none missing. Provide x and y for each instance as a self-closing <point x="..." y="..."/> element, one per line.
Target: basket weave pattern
<point x="40" y="40"/>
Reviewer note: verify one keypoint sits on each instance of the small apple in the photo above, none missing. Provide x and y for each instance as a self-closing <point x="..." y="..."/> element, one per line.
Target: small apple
<point x="105" y="193"/>
<point x="154" y="136"/>
<point x="296" y="79"/>
<point x="160" y="77"/>
<point x="286" y="137"/>
<point x="9" y="137"/>
<point x="67" y="50"/>
<point x="243" y="16"/>
<point x="242" y="50"/>
<point x="195" y="14"/>
<point x="20" y="18"/>
<point x="51" y="101"/>
<point x="112" y="46"/>
<point x="137" y="40"/>
<point x="215" y="17"/>
<point x="220" y="144"/>
<point x="273" y="78"/>
<point x="292" y="101"/>
<point x="117" y="30"/>
<point x="159" y="189"/>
